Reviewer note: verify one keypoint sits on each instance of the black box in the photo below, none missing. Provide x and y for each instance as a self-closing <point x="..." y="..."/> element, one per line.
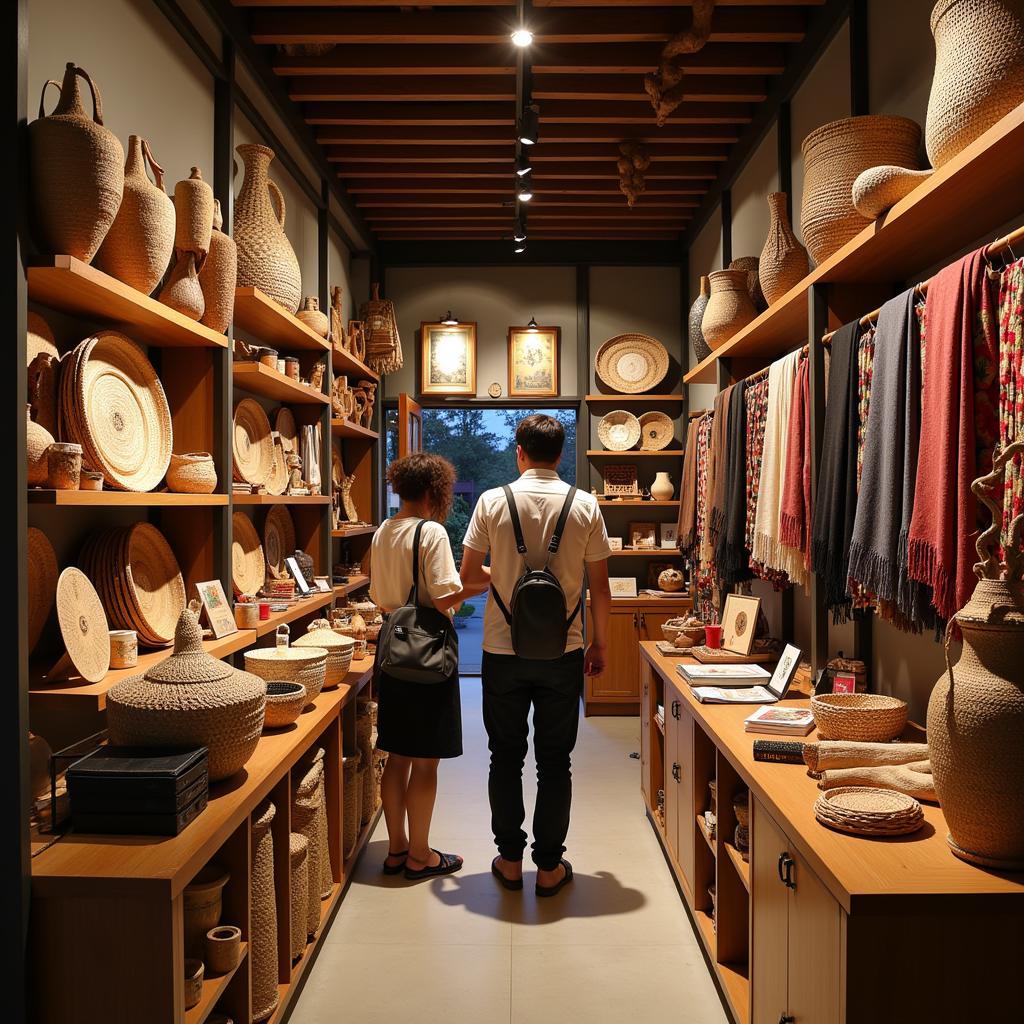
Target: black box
<point x="120" y="823"/>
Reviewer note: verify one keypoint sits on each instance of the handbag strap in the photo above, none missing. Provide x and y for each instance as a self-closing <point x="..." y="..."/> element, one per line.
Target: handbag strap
<point x="413" y="597"/>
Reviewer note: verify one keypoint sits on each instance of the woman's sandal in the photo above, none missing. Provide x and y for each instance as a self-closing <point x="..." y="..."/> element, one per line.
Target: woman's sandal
<point x="395" y="869"/>
<point x="553" y="890"/>
<point x="512" y="884"/>
<point x="450" y="863"/>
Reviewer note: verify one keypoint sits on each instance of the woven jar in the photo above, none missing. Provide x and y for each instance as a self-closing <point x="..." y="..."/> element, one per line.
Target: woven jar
<point x="202" y="903"/>
<point x="138" y="246"/>
<point x="352" y="802"/>
<point x="298" y="888"/>
<point x="700" y="347"/>
<point x="266" y="259"/>
<point x="306" y="665"/>
<point x="783" y="261"/>
<point x="218" y="275"/>
<point x="193" y="221"/>
<point x="190" y="699"/>
<point x="979" y="71"/>
<point x="76" y="167"/>
<point x="311" y="315"/>
<point x="309" y="816"/>
<point x="729" y="308"/>
<point x="182" y="291"/>
<point x="192" y="473"/>
<point x="263" y="937"/>
<point x="63" y="465"/>
<point x="834" y="155"/>
<point x="339" y="650"/>
<point x="749" y="265"/>
<point x="37" y="441"/>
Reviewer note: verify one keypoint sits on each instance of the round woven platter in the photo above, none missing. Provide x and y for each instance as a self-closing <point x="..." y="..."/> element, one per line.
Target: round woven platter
<point x="618" y="430"/>
<point x="277" y="482"/>
<point x="42" y="583"/>
<point x="337" y="466"/>
<point x="278" y="540"/>
<point x="284" y="424"/>
<point x="866" y="811"/>
<point x="656" y="431"/>
<point x="83" y="625"/>
<point x="248" y="567"/>
<point x="252" y="447"/>
<point x="153" y="582"/>
<point x="632" y="363"/>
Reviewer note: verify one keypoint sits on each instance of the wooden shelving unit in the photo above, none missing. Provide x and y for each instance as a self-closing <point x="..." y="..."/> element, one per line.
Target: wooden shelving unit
<point x="258" y="379"/>
<point x="634" y="399"/>
<point x="353" y="431"/>
<point x="354" y="584"/>
<point x="260" y="315"/>
<point x="123" y="499"/>
<point x="299" y="610"/>
<point x="595" y="453"/>
<point x="659" y="553"/>
<point x="355" y="369"/>
<point x="636" y="503"/>
<point x="354" y="531"/>
<point x="702" y="827"/>
<point x="282" y="499"/>
<point x="742" y="867"/>
<point x="213" y="988"/>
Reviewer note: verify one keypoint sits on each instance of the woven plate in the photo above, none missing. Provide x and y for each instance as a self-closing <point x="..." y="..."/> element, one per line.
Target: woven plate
<point x="865" y="811"/>
<point x="277" y="482"/>
<point x="252" y="448"/>
<point x="284" y="424"/>
<point x="656" y="431"/>
<point x="632" y="363"/>
<point x="248" y="567"/>
<point x="42" y="583"/>
<point x="153" y="583"/>
<point x="278" y="540"/>
<point x="83" y="625"/>
<point x="619" y="430"/>
<point x="337" y="466"/>
<point x="122" y="413"/>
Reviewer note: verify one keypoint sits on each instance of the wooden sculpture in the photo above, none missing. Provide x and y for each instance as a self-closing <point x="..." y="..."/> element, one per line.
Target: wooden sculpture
<point x="665" y="86"/>
<point x="632" y="163"/>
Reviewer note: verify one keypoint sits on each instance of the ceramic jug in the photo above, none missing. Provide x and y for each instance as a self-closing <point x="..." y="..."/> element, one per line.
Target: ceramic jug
<point x="662" y="489"/>
<point x="729" y="309"/>
<point x="783" y="260"/>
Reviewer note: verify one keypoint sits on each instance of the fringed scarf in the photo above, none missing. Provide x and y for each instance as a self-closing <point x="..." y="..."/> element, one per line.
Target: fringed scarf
<point x="796" y="491"/>
<point x="719" y="471"/>
<point x="732" y="556"/>
<point x="1011" y="391"/>
<point x="686" y="530"/>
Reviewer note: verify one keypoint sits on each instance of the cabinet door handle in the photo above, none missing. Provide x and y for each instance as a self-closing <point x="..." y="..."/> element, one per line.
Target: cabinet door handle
<point x="785" y="869"/>
<point x="675" y="709"/>
<point x="676" y="773"/>
<point x="643" y="620"/>
<point x="636" y="621"/>
<point x="786" y="1019"/>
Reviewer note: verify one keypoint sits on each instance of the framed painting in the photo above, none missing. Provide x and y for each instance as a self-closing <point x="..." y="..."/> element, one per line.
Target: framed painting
<point x="643" y="536"/>
<point x="448" y="359"/>
<point x="533" y="362"/>
<point x="218" y="609"/>
<point x="622" y="586"/>
<point x="739" y="622"/>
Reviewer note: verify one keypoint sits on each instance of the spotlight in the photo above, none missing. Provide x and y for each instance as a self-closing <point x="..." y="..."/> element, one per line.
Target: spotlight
<point x="522" y="37"/>
<point x="524" y="189"/>
<point x="523" y="165"/>
<point x="450" y="321"/>
<point x="531" y="327"/>
<point x="519" y="234"/>
<point x="520" y="248"/>
<point x="529" y="125"/>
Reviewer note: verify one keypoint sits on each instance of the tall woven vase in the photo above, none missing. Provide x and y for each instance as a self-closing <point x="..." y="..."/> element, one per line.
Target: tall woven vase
<point x="76" y="169"/>
<point x="729" y="309"/>
<point x="979" y="71"/>
<point x="309" y="818"/>
<point x="218" y="276"/>
<point x="263" y="944"/>
<point x="138" y="246"/>
<point x="266" y="259"/>
<point x="783" y="259"/>
<point x="298" y="889"/>
<point x="700" y="347"/>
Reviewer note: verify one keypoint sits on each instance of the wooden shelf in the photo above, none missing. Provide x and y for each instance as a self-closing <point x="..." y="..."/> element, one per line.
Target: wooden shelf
<point x="742" y="866"/>
<point x="347" y="364"/>
<point x="735" y="980"/>
<point x="652" y="553"/>
<point x="70" y="286"/>
<point x="343" y="428"/>
<point x="282" y="499"/>
<point x="272" y="324"/>
<point x="633" y="399"/>
<point x="703" y="827"/>
<point x="973" y="194"/>
<point x="296" y="611"/>
<point x="123" y="499"/>
<point x="637" y="502"/>
<point x="354" y="584"/>
<point x="258" y="379"/>
<point x="213" y="988"/>
<point x="664" y="453"/>
<point x="354" y="531"/>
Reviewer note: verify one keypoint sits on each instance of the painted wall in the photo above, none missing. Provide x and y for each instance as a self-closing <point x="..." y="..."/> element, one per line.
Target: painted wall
<point x="749" y="206"/>
<point x="705" y="256"/>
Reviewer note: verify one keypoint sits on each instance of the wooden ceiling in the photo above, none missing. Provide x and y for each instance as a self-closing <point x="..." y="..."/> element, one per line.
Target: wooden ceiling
<point x="416" y="107"/>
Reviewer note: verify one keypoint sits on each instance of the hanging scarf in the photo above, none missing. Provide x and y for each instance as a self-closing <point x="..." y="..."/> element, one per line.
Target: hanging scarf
<point x="959" y="416"/>
<point x="795" y="499"/>
<point x="757" y="412"/>
<point x="731" y="553"/>
<point x="1011" y="379"/>
<point x="686" y="529"/>
<point x="704" y="596"/>
<point x="719" y="462"/>
<point x="716" y="461"/>
<point x="836" y="500"/>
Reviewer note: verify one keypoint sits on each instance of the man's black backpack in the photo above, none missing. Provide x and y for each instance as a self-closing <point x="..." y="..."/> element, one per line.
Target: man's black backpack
<point x="536" y="613"/>
<point x="418" y="643"/>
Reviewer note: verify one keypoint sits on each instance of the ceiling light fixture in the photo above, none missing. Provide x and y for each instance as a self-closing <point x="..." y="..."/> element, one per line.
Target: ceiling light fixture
<point x="450" y="321"/>
<point x="532" y="327"/>
<point x="519" y="233"/>
<point x="520" y="248"/>
<point x="524" y="189"/>
<point x="529" y="125"/>
<point x="523" y="165"/>
<point x="522" y="36"/>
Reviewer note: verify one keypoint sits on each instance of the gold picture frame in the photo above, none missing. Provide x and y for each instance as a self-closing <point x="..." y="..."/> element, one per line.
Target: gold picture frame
<point x="448" y="359"/>
<point x="739" y="623"/>
<point x="533" y="354"/>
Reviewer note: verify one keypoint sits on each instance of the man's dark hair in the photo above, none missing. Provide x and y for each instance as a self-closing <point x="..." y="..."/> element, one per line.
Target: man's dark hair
<point x="541" y="438"/>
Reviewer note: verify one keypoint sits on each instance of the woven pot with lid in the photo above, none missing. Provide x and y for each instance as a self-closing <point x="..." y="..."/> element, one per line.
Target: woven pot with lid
<point x="190" y="699"/>
<point x="339" y="650"/>
<point x="631" y="363"/>
<point x="306" y="665"/>
<point x="619" y="430"/>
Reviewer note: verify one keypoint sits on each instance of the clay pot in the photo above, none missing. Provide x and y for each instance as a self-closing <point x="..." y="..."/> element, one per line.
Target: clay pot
<point x="312" y="317"/>
<point x="729" y="309"/>
<point x="63" y="465"/>
<point x="218" y="275"/>
<point x="192" y="473"/>
<point x="202" y="903"/>
<point x="38" y="439"/>
<point x="671" y="581"/>
<point x="266" y="259"/>
<point x="193" y="225"/>
<point x="700" y="347"/>
<point x="223" y="948"/>
<point x="662" y="489"/>
<point x="182" y="291"/>
<point x="783" y="261"/>
<point x="76" y="169"/>
<point x="749" y="264"/>
<point x="138" y="246"/>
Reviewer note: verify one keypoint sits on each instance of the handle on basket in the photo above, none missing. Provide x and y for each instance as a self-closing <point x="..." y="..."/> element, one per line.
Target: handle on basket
<point x="158" y="171"/>
<point x="277" y="195"/>
<point x="42" y="95"/>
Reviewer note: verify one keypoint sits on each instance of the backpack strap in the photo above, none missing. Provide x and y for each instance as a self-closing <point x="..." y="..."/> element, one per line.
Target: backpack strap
<point x="517" y="526"/>
<point x="413" y="597"/>
<point x="563" y="516"/>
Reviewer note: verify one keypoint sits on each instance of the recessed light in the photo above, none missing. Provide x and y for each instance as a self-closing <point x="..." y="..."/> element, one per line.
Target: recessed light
<point x="522" y="37"/>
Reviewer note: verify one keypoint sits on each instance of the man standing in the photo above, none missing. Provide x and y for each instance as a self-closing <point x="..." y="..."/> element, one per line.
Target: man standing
<point x="511" y="684"/>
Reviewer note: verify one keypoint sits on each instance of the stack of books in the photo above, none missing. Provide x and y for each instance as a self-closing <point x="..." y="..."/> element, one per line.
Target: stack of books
<point x="780" y="721"/>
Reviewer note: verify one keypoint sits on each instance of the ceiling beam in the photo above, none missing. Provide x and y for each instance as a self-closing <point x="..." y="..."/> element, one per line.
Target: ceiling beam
<point x="541" y="172"/>
<point x="706" y="88"/>
<point x="484" y="135"/>
<point x="540" y="216"/>
<point x="503" y="200"/>
<point x="547" y="152"/>
<point x="407" y="88"/>
<point x="486" y="186"/>
<point x="541" y="252"/>
<point x="511" y="3"/>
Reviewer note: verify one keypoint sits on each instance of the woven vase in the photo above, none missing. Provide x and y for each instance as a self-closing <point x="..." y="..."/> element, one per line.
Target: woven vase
<point x="352" y="802"/>
<point x="979" y="71"/>
<point x="263" y="940"/>
<point x="38" y="439"/>
<point x="182" y="291"/>
<point x="749" y="264"/>
<point x="218" y="275"/>
<point x="266" y="259"/>
<point x="729" y="308"/>
<point x="193" y="220"/>
<point x="76" y="168"/>
<point x="298" y="888"/>
<point x="312" y="317"/>
<point x="138" y="246"/>
<point x="834" y="155"/>
<point x="700" y="347"/>
<point x="192" y="473"/>
<point x="783" y="261"/>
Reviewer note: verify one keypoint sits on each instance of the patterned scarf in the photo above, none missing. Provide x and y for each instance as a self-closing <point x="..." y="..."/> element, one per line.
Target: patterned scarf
<point x="1011" y="385"/>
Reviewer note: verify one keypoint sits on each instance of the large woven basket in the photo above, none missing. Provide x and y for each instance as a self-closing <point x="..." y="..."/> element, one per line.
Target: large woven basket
<point x="631" y="363"/>
<point x="383" y="345"/>
<point x="352" y="801"/>
<point x="834" y="155"/>
<point x="298" y="888"/>
<point x="306" y="665"/>
<point x="263" y="928"/>
<point x="252" y="448"/>
<point x="870" y="717"/>
<point x="339" y="650"/>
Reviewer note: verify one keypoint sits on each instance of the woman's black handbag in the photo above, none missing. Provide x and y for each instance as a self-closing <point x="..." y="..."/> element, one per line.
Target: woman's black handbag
<point x="416" y="643"/>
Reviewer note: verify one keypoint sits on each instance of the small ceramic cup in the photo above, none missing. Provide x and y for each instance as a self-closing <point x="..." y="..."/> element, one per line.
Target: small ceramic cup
<point x="124" y="648"/>
<point x="64" y="465"/>
<point x="247" y="614"/>
<point x="193" y="982"/>
<point x="90" y="480"/>
<point x="223" y="948"/>
<point x="713" y="636"/>
<point x="280" y="366"/>
<point x="291" y="367"/>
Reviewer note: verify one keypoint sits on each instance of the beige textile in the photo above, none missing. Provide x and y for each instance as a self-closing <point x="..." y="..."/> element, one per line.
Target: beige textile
<point x="830" y="754"/>
<point x="914" y="779"/>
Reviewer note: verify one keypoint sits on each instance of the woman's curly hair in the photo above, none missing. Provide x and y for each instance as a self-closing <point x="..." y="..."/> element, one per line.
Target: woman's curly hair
<point x="421" y="475"/>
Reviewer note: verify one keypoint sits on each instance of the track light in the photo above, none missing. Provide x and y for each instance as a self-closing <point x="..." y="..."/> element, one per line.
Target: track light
<point x="520" y="248"/>
<point x="524" y="189"/>
<point x="519" y="233"/>
<point x="529" y="125"/>
<point x="522" y="36"/>
<point x="532" y="327"/>
<point x="523" y="165"/>
<point x="450" y="321"/>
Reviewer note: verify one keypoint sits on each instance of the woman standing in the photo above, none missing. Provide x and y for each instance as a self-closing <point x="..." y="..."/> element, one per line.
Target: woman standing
<point x="417" y="724"/>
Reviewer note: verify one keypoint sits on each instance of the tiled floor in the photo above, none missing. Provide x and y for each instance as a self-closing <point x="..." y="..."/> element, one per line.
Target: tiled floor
<point x="615" y="945"/>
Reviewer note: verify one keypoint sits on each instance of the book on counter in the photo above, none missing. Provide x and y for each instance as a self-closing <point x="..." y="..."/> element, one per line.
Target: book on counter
<point x="734" y="681"/>
<point x="723" y="675"/>
<point x="780" y="721"/>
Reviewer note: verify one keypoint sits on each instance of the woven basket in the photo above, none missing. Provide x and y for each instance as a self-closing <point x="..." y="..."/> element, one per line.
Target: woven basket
<point x="309" y="817"/>
<point x="284" y="424"/>
<point x="339" y="650"/>
<point x="263" y="927"/>
<point x="750" y="266"/>
<point x="869" y="717"/>
<point x="701" y="349"/>
<point x="42" y="583"/>
<point x="383" y="344"/>
<point x="218" y="276"/>
<point x="656" y="431"/>
<point x="306" y="665"/>
<point x="631" y="363"/>
<point x="252" y="448"/>
<point x="182" y="291"/>
<point x="201" y="902"/>
<point x="312" y="316"/>
<point x="298" y="889"/>
<point x="248" y="566"/>
<point x="834" y="155"/>
<point x="192" y="473"/>
<point x="352" y="801"/>
<point x="285" y="701"/>
<point x="878" y="188"/>
<point x="83" y="625"/>
<point x="729" y="309"/>
<point x="863" y="811"/>
<point x="619" y="430"/>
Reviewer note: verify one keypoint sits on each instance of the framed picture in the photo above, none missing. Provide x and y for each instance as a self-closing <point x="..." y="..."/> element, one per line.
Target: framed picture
<point x="448" y="359"/>
<point x="643" y="536"/>
<point x="622" y="586"/>
<point x="739" y="623"/>
<point x="668" y="534"/>
<point x="533" y="362"/>
<point x="218" y="609"/>
<point x="619" y="480"/>
<point x="615" y="543"/>
<point x="300" y="580"/>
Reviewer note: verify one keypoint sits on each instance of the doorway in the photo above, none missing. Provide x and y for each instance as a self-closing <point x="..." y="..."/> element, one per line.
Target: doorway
<point x="480" y="443"/>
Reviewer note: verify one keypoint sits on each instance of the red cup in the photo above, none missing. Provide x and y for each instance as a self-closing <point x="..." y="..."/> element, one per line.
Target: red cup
<point x="713" y="637"/>
<point x="264" y="611"/>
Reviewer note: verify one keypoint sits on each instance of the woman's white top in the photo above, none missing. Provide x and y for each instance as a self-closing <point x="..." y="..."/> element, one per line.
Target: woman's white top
<point x="391" y="564"/>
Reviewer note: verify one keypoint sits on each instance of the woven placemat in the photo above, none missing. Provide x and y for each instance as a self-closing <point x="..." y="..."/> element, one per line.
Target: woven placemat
<point x="718" y="656"/>
<point x="865" y="811"/>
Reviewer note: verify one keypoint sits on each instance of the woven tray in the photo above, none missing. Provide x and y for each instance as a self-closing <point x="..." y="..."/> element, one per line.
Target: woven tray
<point x="618" y="430"/>
<point x="252" y="447"/>
<point x="277" y="482"/>
<point x="631" y="363"/>
<point x="656" y="431"/>
<point x="284" y="424"/>
<point x="864" y="811"/>
<point x="248" y="566"/>
<point x="278" y="540"/>
<point x="83" y="625"/>
<point x="708" y="656"/>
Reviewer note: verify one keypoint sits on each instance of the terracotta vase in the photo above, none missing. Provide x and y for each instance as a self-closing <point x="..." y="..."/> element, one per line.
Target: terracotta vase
<point x="312" y="317"/>
<point x="700" y="347"/>
<point x="182" y="290"/>
<point x="266" y="259"/>
<point x="38" y="439"/>
<point x="138" y="246"/>
<point x="193" y="207"/>
<point x="783" y="260"/>
<point x="976" y="710"/>
<point x="662" y="489"/>
<point x="218" y="275"/>
<point x="76" y="168"/>
<point x="979" y="71"/>
<point x="729" y="308"/>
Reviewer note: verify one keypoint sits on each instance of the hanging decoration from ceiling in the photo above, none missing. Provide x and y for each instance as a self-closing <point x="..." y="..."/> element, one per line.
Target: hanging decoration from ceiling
<point x="634" y="160"/>
<point x="665" y="86"/>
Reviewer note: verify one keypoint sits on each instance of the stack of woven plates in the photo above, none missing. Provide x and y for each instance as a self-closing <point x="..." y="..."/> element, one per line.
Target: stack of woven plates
<point x="278" y="540"/>
<point x="866" y="811"/>
<point x="252" y="447"/>
<point x="112" y="403"/>
<point x="248" y="566"/>
<point x="138" y="579"/>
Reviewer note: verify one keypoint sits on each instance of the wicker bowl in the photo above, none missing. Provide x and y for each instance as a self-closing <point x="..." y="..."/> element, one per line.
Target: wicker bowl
<point x="339" y="650"/>
<point x="619" y="430"/>
<point x="306" y="665"/>
<point x="285" y="701"/>
<point x="868" y="717"/>
<point x="671" y="629"/>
